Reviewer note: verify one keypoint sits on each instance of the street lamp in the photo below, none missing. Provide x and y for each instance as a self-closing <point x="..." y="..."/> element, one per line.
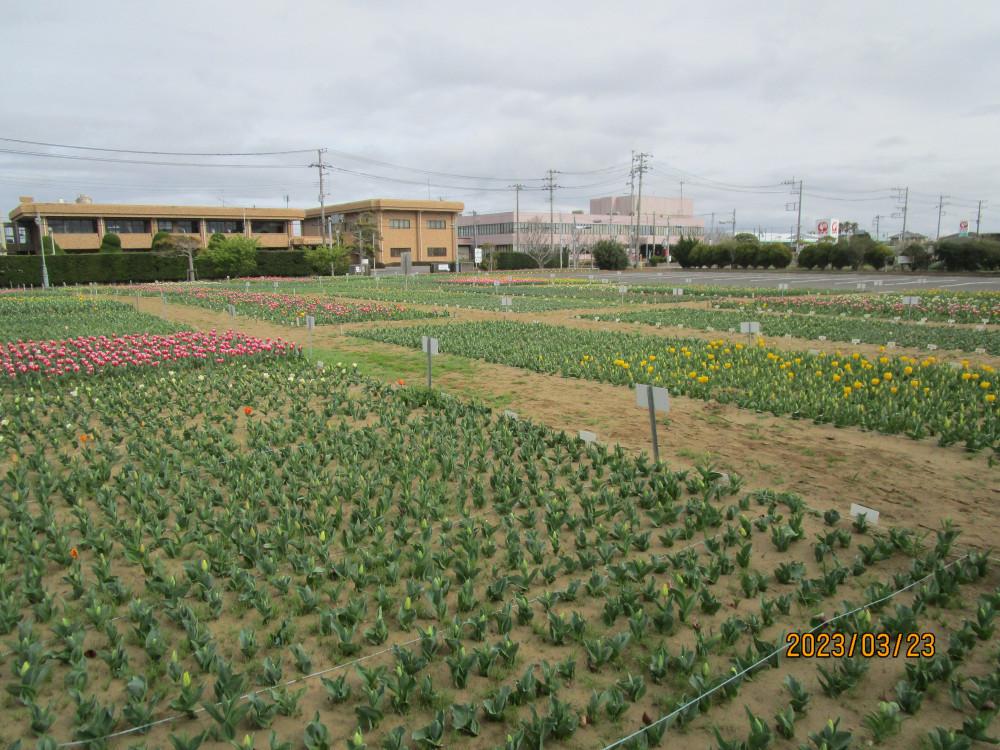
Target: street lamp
<point x="41" y="247"/>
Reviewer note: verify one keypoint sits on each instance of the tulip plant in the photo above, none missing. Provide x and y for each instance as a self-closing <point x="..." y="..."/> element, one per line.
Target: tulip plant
<point x="263" y="544"/>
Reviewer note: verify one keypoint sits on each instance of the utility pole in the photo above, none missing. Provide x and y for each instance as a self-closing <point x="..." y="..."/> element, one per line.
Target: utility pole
<point x="878" y="218"/>
<point x="904" y="194"/>
<point x="728" y="221"/>
<point x="552" y="227"/>
<point x="517" y="215"/>
<point x="638" y="209"/>
<point x="631" y="198"/>
<point x="41" y="247"/>
<point x="322" y="204"/>
<point x="796" y="206"/>
<point x="979" y="216"/>
<point x="941" y="205"/>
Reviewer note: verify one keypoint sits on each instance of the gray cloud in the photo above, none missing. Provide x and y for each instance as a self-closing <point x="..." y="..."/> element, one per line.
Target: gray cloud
<point x="853" y="99"/>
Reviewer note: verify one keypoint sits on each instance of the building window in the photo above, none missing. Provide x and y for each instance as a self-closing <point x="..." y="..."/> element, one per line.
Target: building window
<point x="178" y="226"/>
<point x="224" y="227"/>
<point x="126" y="226"/>
<point x="397" y="252"/>
<point x="399" y="223"/>
<point x="437" y="252"/>
<point x="267" y="227"/>
<point x="437" y="224"/>
<point x="21" y="237"/>
<point x="73" y="226"/>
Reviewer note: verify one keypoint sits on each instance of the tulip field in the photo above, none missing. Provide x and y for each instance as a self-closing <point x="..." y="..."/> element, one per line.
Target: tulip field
<point x="898" y="394"/>
<point x="975" y="307"/>
<point x="284" y="307"/>
<point x="914" y="335"/>
<point x="27" y="317"/>
<point x="209" y="540"/>
<point x="528" y="293"/>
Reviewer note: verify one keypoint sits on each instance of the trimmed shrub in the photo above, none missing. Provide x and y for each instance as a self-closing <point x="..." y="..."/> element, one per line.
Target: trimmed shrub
<point x="774" y="254"/>
<point x="968" y="253"/>
<point x="722" y="254"/>
<point x="745" y="254"/>
<point x="111" y="243"/>
<point x="234" y="256"/>
<point x="681" y="252"/>
<point x="285" y="263"/>
<point x="920" y="259"/>
<point x="815" y="256"/>
<point x="878" y="255"/>
<point x="510" y="261"/>
<point x="101" y="268"/>
<point x="609" y="255"/>
<point x="700" y="255"/>
<point x="161" y="242"/>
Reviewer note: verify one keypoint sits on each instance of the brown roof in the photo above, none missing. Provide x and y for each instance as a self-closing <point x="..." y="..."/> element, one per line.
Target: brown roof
<point x="28" y="210"/>
<point x="388" y="204"/>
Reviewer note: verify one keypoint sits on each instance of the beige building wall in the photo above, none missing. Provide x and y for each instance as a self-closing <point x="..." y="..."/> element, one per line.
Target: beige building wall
<point x="25" y="214"/>
<point x="427" y="229"/>
<point x="430" y="235"/>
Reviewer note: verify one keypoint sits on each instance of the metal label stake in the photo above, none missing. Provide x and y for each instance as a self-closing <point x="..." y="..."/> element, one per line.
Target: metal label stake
<point x="310" y="324"/>
<point x="430" y="345"/>
<point x="655" y="399"/>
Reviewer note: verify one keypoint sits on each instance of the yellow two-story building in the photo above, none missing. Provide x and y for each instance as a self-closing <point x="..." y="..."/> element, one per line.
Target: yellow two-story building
<point x="386" y="228"/>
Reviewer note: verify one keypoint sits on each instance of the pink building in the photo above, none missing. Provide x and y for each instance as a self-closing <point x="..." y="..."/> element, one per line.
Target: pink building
<point x="663" y="222"/>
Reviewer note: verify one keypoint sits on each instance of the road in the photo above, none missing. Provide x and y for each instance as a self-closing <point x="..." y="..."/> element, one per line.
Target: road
<point x="846" y="281"/>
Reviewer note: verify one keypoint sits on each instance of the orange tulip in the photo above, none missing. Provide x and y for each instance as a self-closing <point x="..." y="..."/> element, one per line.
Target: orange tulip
<point x="73" y="553"/>
<point x="247" y="410"/>
<point x="400" y="381"/>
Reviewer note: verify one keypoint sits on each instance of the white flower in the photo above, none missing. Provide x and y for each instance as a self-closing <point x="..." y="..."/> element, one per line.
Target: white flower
<point x="201" y="377"/>
<point x="73" y="393"/>
<point x="354" y="364"/>
<point x="4" y="421"/>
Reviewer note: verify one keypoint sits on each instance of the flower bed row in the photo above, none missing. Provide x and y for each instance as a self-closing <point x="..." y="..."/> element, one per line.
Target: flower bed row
<point x="282" y="307"/>
<point x="890" y="395"/>
<point x="59" y="315"/>
<point x="914" y="335"/>
<point x="95" y="354"/>
<point x="942" y="306"/>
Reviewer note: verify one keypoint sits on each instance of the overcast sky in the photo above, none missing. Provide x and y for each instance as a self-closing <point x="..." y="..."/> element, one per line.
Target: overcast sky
<point x="732" y="98"/>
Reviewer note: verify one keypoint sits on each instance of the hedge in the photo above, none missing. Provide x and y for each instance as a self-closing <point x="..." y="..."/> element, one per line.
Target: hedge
<point x="104" y="268"/>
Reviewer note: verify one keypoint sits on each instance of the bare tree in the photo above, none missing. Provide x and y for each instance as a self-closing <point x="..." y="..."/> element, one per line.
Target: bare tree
<point x="366" y="237"/>
<point x="182" y="244"/>
<point x="535" y="242"/>
<point x="582" y="243"/>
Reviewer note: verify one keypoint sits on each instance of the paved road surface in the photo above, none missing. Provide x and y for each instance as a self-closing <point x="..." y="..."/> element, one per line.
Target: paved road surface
<point x="847" y="281"/>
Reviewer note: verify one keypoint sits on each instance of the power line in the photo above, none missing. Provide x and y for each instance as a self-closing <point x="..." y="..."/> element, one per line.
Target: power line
<point x="156" y="153"/>
<point x="146" y="162"/>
